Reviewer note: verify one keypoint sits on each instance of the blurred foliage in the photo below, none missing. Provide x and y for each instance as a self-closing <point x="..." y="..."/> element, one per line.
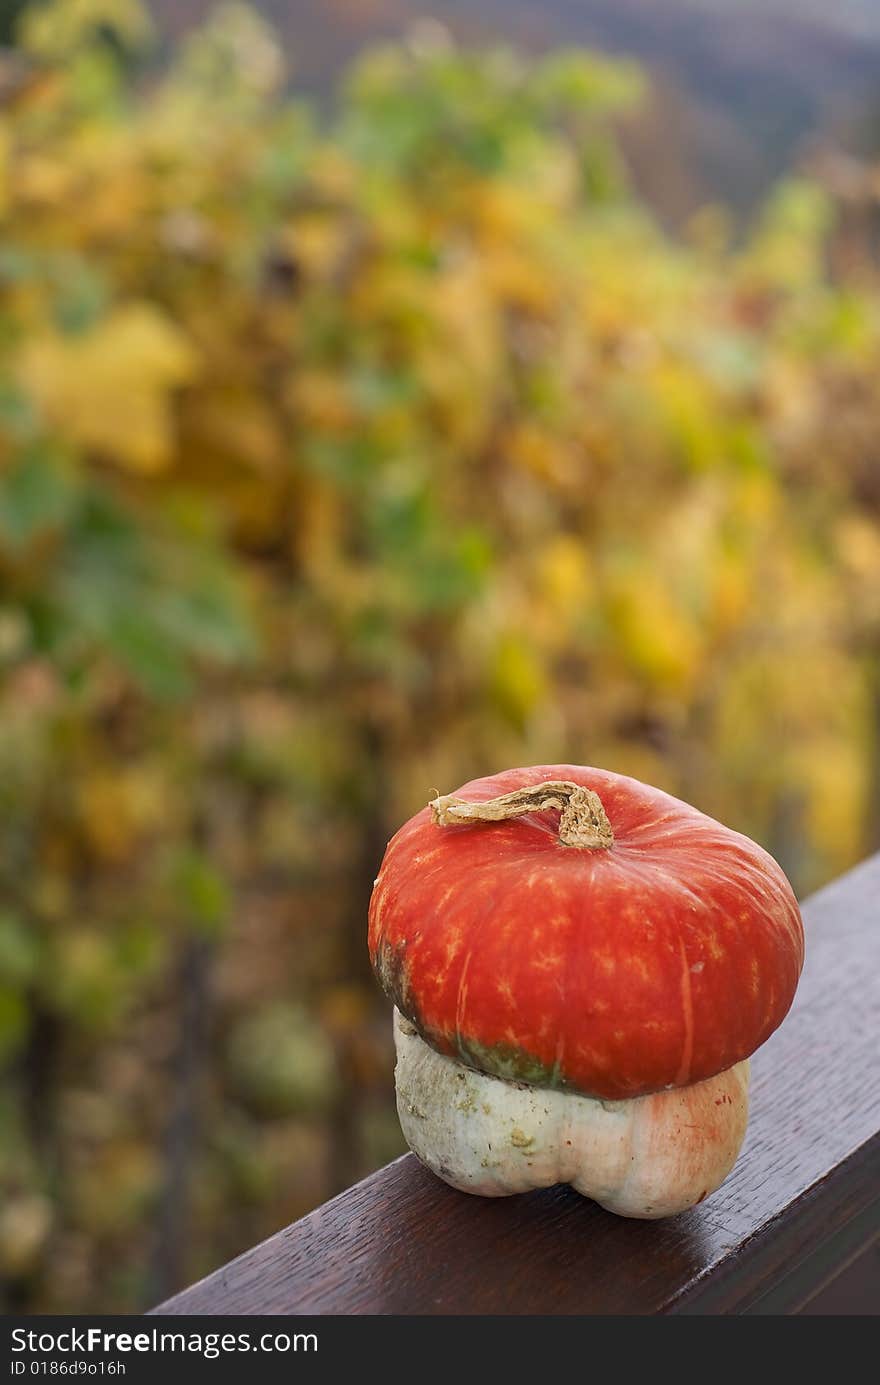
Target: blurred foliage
<point x="340" y="462"/>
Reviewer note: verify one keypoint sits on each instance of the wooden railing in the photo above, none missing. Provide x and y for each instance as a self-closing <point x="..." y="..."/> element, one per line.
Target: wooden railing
<point x="796" y="1227"/>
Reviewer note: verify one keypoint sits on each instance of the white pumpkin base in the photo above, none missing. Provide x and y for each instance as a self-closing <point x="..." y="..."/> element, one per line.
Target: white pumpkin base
<point x="651" y="1156"/>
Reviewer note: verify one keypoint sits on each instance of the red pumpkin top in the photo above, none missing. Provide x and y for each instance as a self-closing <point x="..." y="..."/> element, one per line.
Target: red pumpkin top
<point x="611" y="970"/>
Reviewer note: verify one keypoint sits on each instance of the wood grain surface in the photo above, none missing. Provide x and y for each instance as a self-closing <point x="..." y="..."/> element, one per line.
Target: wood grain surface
<point x="802" y="1203"/>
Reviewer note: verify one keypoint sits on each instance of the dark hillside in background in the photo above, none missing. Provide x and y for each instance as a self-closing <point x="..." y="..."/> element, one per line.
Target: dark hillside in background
<point x="741" y="90"/>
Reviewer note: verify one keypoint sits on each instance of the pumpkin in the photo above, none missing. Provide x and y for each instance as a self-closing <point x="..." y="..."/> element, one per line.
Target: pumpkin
<point x="581" y="967"/>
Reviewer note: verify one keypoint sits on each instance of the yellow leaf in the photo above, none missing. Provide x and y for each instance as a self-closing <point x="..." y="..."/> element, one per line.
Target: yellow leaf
<point x="25" y="1223"/>
<point x="45" y="181"/>
<point x="518" y="682"/>
<point x="322" y="400"/>
<point x="541" y="452"/>
<point x="520" y="279"/>
<point x="566" y="574"/>
<point x="117" y="808"/>
<point x="316" y="241"/>
<point x="731" y="591"/>
<point x="5" y="165"/>
<point x="109" y="390"/>
<point x="53" y="31"/>
<point x="835" y="779"/>
<point x="857" y="540"/>
<point x="654" y="633"/>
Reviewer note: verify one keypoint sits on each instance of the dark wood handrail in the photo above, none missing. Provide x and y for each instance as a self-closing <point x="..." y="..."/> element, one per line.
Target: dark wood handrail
<point x="802" y="1203"/>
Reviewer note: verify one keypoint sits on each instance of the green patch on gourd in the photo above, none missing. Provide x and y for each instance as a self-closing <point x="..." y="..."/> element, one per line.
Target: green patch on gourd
<point x="505" y="1060"/>
<point x="509" y="1062"/>
<point x="393" y="973"/>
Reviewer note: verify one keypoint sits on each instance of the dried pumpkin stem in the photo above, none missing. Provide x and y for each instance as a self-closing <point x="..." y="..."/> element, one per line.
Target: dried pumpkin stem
<point x="583" y="822"/>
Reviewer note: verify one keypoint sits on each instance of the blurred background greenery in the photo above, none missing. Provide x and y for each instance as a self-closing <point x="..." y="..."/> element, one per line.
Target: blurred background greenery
<point x="351" y="445"/>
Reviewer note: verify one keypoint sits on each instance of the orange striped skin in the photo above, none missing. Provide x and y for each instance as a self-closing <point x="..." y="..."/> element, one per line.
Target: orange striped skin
<point x="655" y="963"/>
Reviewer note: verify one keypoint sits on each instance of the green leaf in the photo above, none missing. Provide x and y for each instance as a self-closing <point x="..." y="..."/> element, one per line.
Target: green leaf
<point x="203" y="894"/>
<point x="35" y="496"/>
<point x="83" y="296"/>
<point x="282" y="1062"/>
<point x="13" y="1021"/>
<point x="206" y="617"/>
<point x="144" y="649"/>
<point x="19" y="949"/>
<point x="157" y="605"/>
<point x="16" y="264"/>
<point x="587" y="83"/>
<point x="18" y="416"/>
